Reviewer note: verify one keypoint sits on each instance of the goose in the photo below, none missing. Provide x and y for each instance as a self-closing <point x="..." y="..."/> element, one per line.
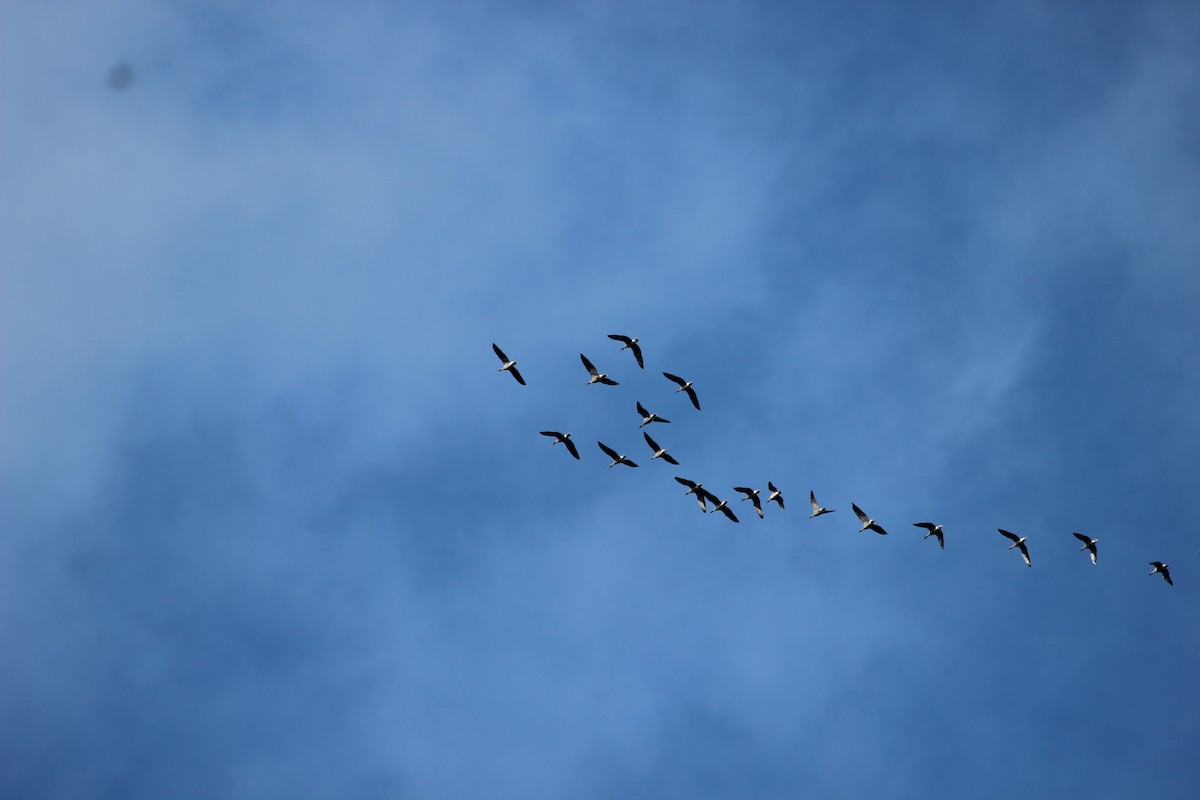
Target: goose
<point x="934" y="530"/>
<point x="1089" y="544"/>
<point x="1161" y="567"/>
<point x="697" y="489"/>
<point x="684" y="386"/>
<point x="775" y="495"/>
<point x="752" y="495"/>
<point x="659" y="452"/>
<point x="1019" y="543"/>
<point x="509" y="365"/>
<point x="597" y="377"/>
<point x="562" y="438"/>
<point x="630" y="344"/>
<point x="647" y="417"/>
<point x="817" y="509"/>
<point x="617" y="459"/>
<point x="868" y="524"/>
<point x="723" y="507"/>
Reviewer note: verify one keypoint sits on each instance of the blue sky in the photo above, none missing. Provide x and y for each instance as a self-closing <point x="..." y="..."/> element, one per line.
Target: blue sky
<point x="272" y="525"/>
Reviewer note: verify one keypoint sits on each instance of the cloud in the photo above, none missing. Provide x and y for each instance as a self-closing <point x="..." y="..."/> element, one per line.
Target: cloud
<point x="269" y="507"/>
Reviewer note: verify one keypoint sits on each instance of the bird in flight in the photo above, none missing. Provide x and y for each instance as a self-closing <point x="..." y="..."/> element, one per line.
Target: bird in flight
<point x="508" y="365"/>
<point x="934" y="530"/>
<point x="630" y="344"/>
<point x="562" y="438"/>
<point x="697" y="489"/>
<point x="597" y="377"/>
<point x="1161" y="567"/>
<point x="647" y="417"/>
<point x="752" y="495"/>
<point x="868" y="524"/>
<point x="1089" y="544"/>
<point x="659" y="452"/>
<point x="617" y="459"/>
<point x="1019" y="543"/>
<point x="775" y="495"/>
<point x="817" y="509"/>
<point x="723" y="507"/>
<point x="684" y="386"/>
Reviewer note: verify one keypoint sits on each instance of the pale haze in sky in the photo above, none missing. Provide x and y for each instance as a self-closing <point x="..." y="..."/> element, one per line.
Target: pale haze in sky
<point x="273" y="524"/>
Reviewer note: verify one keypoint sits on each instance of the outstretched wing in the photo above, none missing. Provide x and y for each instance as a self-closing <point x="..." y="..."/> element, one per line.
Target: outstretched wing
<point x="670" y="459"/>
<point x="608" y="381"/>
<point x="517" y="375"/>
<point x="1025" y="554"/>
<point x="674" y="378"/>
<point x="571" y="448"/>
<point x="929" y="526"/>
<point x="812" y="500"/>
<point x="858" y="512"/>
<point x="637" y="353"/>
<point x="1082" y="538"/>
<point x="1167" y="576"/>
<point x="591" y="369"/>
<point x="709" y="496"/>
<point x="621" y="338"/>
<point x="691" y="393"/>
<point x="685" y="482"/>
<point x="642" y="409"/>
<point x="746" y="490"/>
<point x="878" y="529"/>
<point x="1009" y="535"/>
<point x="608" y="450"/>
<point x="499" y="353"/>
<point x="727" y="511"/>
<point x="653" y="444"/>
<point x="628" y="463"/>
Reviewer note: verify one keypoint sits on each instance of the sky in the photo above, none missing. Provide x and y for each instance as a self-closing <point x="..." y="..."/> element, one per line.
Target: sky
<point x="272" y="524"/>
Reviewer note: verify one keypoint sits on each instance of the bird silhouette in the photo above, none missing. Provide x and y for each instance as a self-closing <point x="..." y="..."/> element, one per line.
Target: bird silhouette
<point x="1019" y="543"/>
<point x="630" y="344"/>
<point x="684" y="386"/>
<point x="597" y="377"/>
<point x="563" y="438"/>
<point x="507" y="364"/>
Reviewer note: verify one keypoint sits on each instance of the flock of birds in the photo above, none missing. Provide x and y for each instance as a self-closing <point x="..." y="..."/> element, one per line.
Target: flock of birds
<point x="705" y="498"/>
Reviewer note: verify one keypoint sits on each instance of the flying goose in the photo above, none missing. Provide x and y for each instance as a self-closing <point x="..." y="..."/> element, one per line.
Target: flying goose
<point x="1089" y="544"/>
<point x="659" y="452"/>
<point x="723" y="507"/>
<point x="1161" y="567"/>
<point x="934" y="530"/>
<point x="868" y="524"/>
<point x="684" y="386"/>
<point x="617" y="459"/>
<point x="597" y="377"/>
<point x="752" y="495"/>
<point x="508" y="364"/>
<point x="630" y="344"/>
<point x="817" y="509"/>
<point x="562" y="438"/>
<point x="1019" y="543"/>
<point x="775" y="495"/>
<point x="697" y="489"/>
<point x="647" y="417"/>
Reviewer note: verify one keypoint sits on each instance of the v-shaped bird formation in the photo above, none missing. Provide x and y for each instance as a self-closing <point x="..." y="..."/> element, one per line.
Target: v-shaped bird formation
<point x="710" y="503"/>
